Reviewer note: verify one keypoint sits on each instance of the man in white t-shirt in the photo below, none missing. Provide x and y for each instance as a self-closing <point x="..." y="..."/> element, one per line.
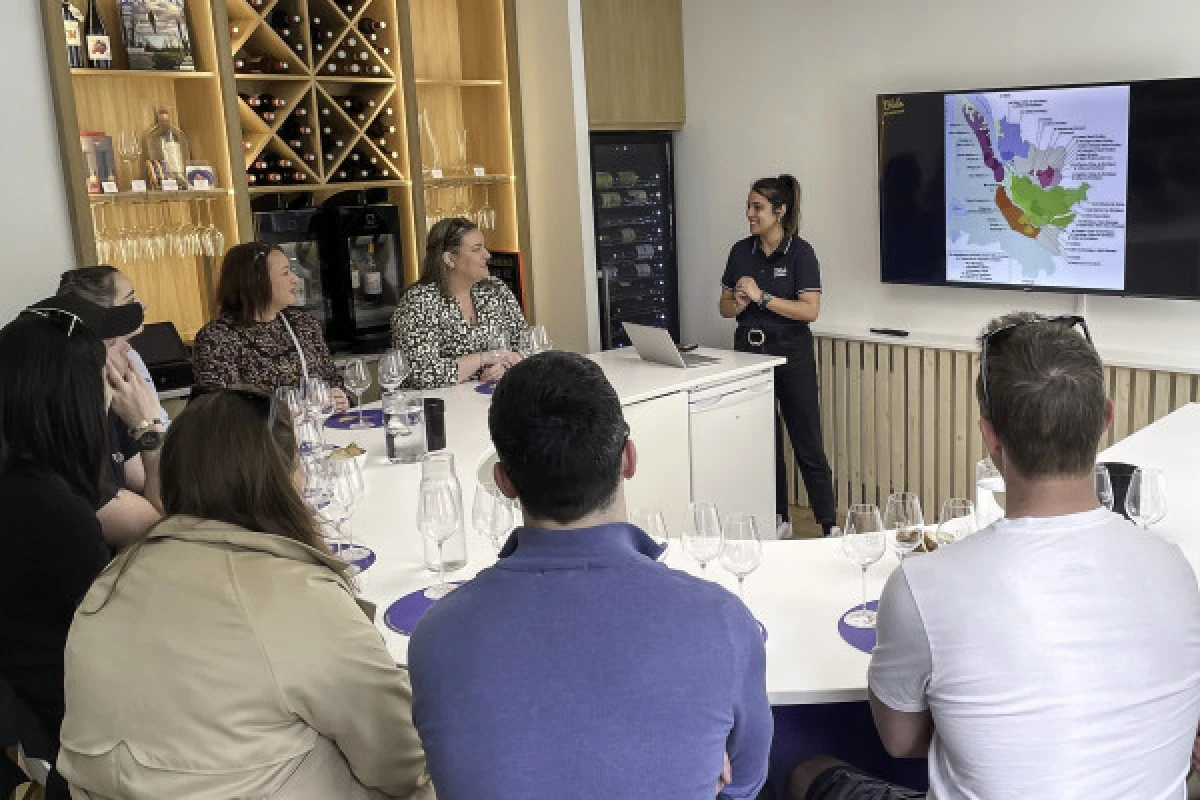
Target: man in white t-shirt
<point x="1055" y="654"/>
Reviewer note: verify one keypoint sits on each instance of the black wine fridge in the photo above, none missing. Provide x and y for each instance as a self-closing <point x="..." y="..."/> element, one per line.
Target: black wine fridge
<point x="633" y="200"/>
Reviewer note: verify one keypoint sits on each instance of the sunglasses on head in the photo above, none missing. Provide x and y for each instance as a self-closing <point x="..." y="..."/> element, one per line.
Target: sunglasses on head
<point x="1066" y="320"/>
<point x="266" y="403"/>
<point x="56" y="313"/>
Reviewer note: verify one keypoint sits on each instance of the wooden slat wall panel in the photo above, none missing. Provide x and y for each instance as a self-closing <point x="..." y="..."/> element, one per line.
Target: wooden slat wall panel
<point x="899" y="418"/>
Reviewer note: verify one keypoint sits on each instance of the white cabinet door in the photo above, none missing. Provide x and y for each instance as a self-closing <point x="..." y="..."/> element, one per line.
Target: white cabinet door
<point x="659" y="430"/>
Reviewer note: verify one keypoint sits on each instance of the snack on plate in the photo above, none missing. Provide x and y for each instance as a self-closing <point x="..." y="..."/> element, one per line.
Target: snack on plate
<point x="351" y="450"/>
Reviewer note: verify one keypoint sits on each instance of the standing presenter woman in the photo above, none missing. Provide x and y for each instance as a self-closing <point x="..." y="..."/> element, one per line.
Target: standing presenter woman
<point x="772" y="284"/>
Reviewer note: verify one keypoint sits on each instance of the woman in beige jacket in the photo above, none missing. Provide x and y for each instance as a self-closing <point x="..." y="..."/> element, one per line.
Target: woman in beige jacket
<point x="225" y="656"/>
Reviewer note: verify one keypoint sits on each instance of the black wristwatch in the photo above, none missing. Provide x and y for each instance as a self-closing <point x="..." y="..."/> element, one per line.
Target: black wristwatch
<point x="149" y="440"/>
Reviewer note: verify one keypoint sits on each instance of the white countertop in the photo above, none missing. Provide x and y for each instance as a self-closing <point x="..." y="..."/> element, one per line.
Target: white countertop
<point x="636" y="380"/>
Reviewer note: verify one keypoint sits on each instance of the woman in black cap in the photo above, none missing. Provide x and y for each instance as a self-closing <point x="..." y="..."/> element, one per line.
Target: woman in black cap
<point x="772" y="284"/>
<point x="55" y="385"/>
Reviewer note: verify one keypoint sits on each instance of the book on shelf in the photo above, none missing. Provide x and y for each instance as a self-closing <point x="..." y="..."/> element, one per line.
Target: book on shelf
<point x="156" y="35"/>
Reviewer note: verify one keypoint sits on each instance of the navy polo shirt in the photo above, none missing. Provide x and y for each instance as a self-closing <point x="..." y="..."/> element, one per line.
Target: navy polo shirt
<point x="787" y="273"/>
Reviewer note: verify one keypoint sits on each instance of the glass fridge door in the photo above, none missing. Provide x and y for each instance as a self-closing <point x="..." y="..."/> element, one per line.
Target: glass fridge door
<point x="305" y="262"/>
<point x="375" y="279"/>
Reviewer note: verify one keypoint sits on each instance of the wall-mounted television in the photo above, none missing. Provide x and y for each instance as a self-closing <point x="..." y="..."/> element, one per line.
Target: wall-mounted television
<point x="1086" y="188"/>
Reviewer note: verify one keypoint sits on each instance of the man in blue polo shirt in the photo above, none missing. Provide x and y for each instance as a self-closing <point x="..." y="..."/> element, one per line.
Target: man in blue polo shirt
<point x="578" y="666"/>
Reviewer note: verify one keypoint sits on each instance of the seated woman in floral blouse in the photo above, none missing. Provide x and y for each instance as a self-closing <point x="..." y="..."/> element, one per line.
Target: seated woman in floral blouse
<point x="445" y="322"/>
<point x="259" y="339"/>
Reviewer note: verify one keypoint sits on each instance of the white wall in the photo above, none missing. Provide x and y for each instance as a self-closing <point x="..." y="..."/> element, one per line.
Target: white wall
<point x="790" y="85"/>
<point x="557" y="164"/>
<point x="35" y="232"/>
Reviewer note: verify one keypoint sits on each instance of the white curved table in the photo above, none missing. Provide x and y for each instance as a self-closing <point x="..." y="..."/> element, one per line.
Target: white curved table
<point x="799" y="592"/>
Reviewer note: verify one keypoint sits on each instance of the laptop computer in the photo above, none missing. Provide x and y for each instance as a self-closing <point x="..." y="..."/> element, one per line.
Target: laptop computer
<point x="655" y="344"/>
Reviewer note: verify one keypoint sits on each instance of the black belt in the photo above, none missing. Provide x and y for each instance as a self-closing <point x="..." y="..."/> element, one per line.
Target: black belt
<point x="758" y="337"/>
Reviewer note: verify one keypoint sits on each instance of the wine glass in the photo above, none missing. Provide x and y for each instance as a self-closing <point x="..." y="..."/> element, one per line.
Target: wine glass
<point x="309" y="438"/>
<point x="316" y="484"/>
<point x="741" y="548"/>
<point x="437" y="519"/>
<point x="863" y="542"/>
<point x="1104" y="488"/>
<point x="487" y="214"/>
<point x="358" y="380"/>
<point x="541" y="339"/>
<point x="1146" y="500"/>
<point x="525" y="342"/>
<point x="394" y="370"/>
<point x="491" y="514"/>
<point x="902" y="516"/>
<point x="346" y="484"/>
<point x="129" y="148"/>
<point x="497" y="343"/>
<point x="957" y="521"/>
<point x="653" y="522"/>
<point x="318" y="398"/>
<point x="702" y="540"/>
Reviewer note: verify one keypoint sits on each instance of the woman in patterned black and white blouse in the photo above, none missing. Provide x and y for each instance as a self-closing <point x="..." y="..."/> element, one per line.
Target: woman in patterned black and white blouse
<point x="445" y="322"/>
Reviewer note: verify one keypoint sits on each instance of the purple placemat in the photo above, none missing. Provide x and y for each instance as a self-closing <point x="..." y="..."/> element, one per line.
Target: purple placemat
<point x="345" y="420"/>
<point x="404" y="614"/>
<point x="487" y="387"/>
<point x="360" y="564"/>
<point x="858" y="638"/>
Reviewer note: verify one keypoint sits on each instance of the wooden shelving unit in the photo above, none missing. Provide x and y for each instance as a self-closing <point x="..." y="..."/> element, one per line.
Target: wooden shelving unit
<point x="175" y="288"/>
<point x="451" y="62"/>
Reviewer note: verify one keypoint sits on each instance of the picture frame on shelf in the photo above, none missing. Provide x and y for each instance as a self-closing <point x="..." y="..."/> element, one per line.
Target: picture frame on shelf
<point x="99" y="160"/>
<point x="200" y="175"/>
<point x="156" y="36"/>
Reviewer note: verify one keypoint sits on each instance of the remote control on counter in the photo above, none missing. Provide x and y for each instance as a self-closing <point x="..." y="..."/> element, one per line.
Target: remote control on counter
<point x="889" y="331"/>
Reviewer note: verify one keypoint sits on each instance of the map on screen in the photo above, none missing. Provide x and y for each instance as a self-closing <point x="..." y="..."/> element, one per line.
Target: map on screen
<point x="1036" y="185"/>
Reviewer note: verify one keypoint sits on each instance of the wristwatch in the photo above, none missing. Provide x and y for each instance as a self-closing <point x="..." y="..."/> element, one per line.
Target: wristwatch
<point x="149" y="440"/>
<point x="766" y="298"/>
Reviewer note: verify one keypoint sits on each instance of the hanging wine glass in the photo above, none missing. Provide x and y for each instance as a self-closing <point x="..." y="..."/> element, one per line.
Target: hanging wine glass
<point x="487" y="214"/>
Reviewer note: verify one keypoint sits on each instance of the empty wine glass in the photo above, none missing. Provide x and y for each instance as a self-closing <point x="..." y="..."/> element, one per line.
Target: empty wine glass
<point x="541" y="339"/>
<point x="741" y="548"/>
<point x="525" y="342"/>
<point x="437" y="519"/>
<point x="491" y="514"/>
<point x="497" y="343"/>
<point x="394" y="370"/>
<point x="702" y="539"/>
<point x="903" y="518"/>
<point x="346" y="484"/>
<point x="293" y="398"/>
<point x="1104" y="488"/>
<point x="487" y="214"/>
<point x="863" y="542"/>
<point x="358" y="379"/>
<point x="1146" y="500"/>
<point x="653" y="523"/>
<point x="309" y="437"/>
<point x="956" y="521"/>
<point x="318" y="398"/>
<point x="129" y="148"/>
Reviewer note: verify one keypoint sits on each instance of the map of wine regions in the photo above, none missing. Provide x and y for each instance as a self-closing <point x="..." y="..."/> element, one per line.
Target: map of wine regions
<point x="1036" y="187"/>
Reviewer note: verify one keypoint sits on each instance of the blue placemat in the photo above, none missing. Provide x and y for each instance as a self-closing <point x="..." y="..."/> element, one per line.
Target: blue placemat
<point x="345" y="420"/>
<point x="361" y="564"/>
<point x="487" y="387"/>
<point x="858" y="638"/>
<point x="404" y="614"/>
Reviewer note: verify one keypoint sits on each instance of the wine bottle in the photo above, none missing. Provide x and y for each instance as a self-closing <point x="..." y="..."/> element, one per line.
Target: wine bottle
<point x="363" y="55"/>
<point x="251" y="100"/>
<point x="355" y="69"/>
<point x="372" y="277"/>
<point x="99" y="46"/>
<point x="267" y="115"/>
<point x="351" y="104"/>
<point x="281" y="19"/>
<point x="271" y="101"/>
<point x="295" y="144"/>
<point x="300" y="111"/>
<point x="368" y="25"/>
<point x="251" y="179"/>
<point x="234" y="30"/>
<point x="380" y="129"/>
<point x="247" y="145"/>
<point x="71" y="29"/>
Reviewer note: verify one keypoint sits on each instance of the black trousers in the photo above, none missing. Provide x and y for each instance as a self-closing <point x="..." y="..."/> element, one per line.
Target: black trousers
<point x="799" y="405"/>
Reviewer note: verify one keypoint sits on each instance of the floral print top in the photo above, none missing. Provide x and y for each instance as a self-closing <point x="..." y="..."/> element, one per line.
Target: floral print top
<point x="263" y="354"/>
<point x="431" y="330"/>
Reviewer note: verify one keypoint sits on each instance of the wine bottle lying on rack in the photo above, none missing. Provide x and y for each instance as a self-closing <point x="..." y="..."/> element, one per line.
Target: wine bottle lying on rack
<point x="282" y="19"/>
<point x="368" y="25"/>
<point x="259" y="65"/>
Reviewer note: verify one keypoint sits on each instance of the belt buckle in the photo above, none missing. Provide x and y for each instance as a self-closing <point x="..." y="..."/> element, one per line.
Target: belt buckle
<point x="752" y="333"/>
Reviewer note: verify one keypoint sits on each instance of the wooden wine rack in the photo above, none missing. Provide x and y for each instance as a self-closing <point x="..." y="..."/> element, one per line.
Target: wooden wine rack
<point x="450" y="61"/>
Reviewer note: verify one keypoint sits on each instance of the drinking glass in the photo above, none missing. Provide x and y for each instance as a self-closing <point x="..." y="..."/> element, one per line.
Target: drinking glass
<point x="310" y="438"/>
<point x="487" y="214"/>
<point x="358" y="380"/>
<point x="541" y="339"/>
<point x="1146" y="500"/>
<point x="347" y="487"/>
<point x="989" y="493"/>
<point x="491" y="514"/>
<point x="394" y="370"/>
<point x="437" y="519"/>
<point x="863" y="542"/>
<point x="316" y="484"/>
<point x="318" y="399"/>
<point x="653" y="522"/>
<point x="903" y="518"/>
<point x="741" y="548"/>
<point x="497" y="343"/>
<point x="1104" y="489"/>
<point x="956" y="521"/>
<point x="293" y="398"/>
<point x="702" y="540"/>
<point x="525" y="342"/>
<point x="129" y="148"/>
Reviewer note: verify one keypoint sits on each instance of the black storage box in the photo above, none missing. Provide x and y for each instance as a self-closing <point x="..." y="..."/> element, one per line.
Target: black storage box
<point x="165" y="355"/>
